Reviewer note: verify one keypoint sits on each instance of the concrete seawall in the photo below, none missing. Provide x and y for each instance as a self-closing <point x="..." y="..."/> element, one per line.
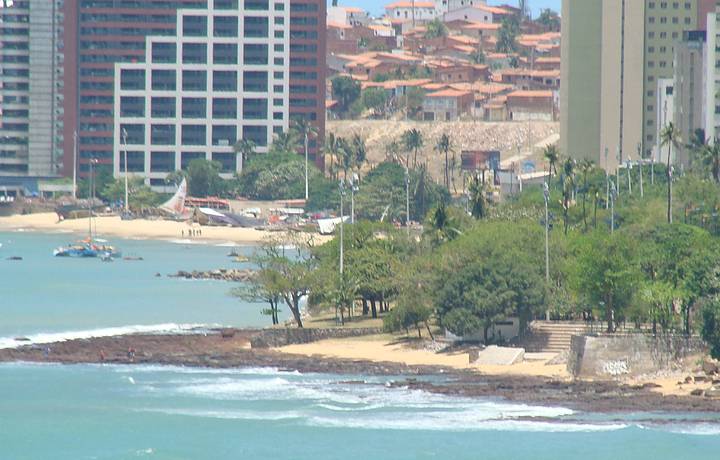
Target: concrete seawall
<point x="270" y="338"/>
<point x="612" y="356"/>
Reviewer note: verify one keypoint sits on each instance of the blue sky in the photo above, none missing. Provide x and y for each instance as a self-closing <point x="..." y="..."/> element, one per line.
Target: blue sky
<point x="376" y="6"/>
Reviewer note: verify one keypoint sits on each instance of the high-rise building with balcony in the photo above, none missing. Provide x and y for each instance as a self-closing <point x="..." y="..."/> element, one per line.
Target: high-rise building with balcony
<point x="31" y="89"/>
<point x="233" y="70"/>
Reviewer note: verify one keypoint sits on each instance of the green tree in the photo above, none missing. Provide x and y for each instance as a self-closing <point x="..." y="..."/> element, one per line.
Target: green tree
<point x="478" y="197"/>
<point x="552" y="156"/>
<point x="264" y="286"/>
<point x="204" y="178"/>
<point x="710" y="157"/>
<point x="412" y="140"/>
<point x="284" y="273"/>
<point x="711" y="326"/>
<point x="486" y="277"/>
<point x="444" y="146"/>
<point x="346" y="91"/>
<point x="285" y="143"/>
<point x="670" y="137"/>
<point x="435" y="29"/>
<point x="549" y="19"/>
<point x="375" y="99"/>
<point x="568" y="189"/>
<point x="509" y="30"/>
<point x="246" y="148"/>
<point x="605" y="273"/>
<point x="478" y="57"/>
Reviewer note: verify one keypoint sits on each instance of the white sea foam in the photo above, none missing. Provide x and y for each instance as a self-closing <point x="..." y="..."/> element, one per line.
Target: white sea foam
<point x="455" y="422"/>
<point x="185" y="241"/>
<point x="156" y="368"/>
<point x="229" y="414"/>
<point x="51" y="337"/>
<point x="696" y="429"/>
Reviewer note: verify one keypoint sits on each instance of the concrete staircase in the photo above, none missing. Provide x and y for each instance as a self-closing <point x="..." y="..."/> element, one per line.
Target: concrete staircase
<point x="551" y="336"/>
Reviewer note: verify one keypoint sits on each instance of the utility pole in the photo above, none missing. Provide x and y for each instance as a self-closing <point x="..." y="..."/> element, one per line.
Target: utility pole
<point x="353" y="188"/>
<point x="407" y="200"/>
<point x="546" y="194"/>
<point x="640" y="162"/>
<point x="607" y="181"/>
<point x="629" y="168"/>
<point x="613" y="195"/>
<point x="75" y="158"/>
<point x="306" y="168"/>
<point x="124" y="136"/>
<point x="342" y="239"/>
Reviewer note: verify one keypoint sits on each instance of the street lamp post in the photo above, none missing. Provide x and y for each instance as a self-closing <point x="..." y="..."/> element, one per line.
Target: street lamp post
<point x="353" y="188"/>
<point x="407" y="200"/>
<point x="629" y="168"/>
<point x="546" y="194"/>
<point x="342" y="239"/>
<point x="642" y="191"/>
<point x="124" y="136"/>
<point x="607" y="181"/>
<point x="75" y="158"/>
<point x="613" y="196"/>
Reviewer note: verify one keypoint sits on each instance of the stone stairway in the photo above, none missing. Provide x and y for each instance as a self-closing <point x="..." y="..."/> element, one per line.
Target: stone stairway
<point x="551" y="336"/>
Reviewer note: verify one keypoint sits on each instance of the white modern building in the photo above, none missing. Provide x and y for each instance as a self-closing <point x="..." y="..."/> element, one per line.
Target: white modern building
<point x="225" y="76"/>
<point x="712" y="77"/>
<point x="408" y="11"/>
<point x="348" y="15"/>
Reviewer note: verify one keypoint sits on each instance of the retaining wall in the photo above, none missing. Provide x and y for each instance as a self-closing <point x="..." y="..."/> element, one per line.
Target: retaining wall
<point x="270" y="338"/>
<point x="612" y="356"/>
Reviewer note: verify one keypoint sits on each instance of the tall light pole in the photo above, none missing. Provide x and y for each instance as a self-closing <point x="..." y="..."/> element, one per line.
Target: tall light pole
<point x="407" y="200"/>
<point x="341" y="186"/>
<point x="75" y="158"/>
<point x="307" y="194"/>
<point x="607" y="181"/>
<point x="613" y="196"/>
<point x="629" y="168"/>
<point x="124" y="136"/>
<point x="353" y="183"/>
<point x="546" y="194"/>
<point x="640" y="162"/>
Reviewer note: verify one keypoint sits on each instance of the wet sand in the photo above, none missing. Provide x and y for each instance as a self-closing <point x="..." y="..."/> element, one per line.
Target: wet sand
<point x="214" y="351"/>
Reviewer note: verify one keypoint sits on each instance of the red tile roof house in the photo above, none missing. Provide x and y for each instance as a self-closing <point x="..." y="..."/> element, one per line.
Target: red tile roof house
<point x="369" y="65"/>
<point x="447" y="105"/>
<point x="455" y="72"/>
<point x="531" y="105"/>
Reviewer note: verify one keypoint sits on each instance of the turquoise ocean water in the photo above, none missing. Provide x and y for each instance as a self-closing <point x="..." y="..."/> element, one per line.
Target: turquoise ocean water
<point x="50" y="411"/>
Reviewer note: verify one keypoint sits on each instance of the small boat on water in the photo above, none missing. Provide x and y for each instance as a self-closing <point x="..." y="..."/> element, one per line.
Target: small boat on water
<point x="88" y="248"/>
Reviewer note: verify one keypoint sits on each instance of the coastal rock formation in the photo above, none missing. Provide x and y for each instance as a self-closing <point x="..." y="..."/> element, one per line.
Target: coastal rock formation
<point x="222" y="274"/>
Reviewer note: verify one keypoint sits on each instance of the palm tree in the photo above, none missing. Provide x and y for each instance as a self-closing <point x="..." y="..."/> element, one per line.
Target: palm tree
<point x="305" y="129"/>
<point x="568" y="183"/>
<point x="478" y="198"/>
<point x="552" y="155"/>
<point x="359" y="152"/>
<point x="710" y="155"/>
<point x="392" y="151"/>
<point x="331" y="149"/>
<point x="669" y="136"/>
<point x="413" y="141"/>
<point x="345" y="155"/>
<point x="246" y="148"/>
<point x="284" y="143"/>
<point x="444" y="145"/>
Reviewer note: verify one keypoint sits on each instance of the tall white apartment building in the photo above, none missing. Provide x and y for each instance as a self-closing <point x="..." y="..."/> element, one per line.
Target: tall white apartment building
<point x="712" y="78"/>
<point x="224" y="76"/>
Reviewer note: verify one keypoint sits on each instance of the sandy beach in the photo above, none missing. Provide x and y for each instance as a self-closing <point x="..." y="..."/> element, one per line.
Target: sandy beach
<point x="385" y="348"/>
<point x="139" y="228"/>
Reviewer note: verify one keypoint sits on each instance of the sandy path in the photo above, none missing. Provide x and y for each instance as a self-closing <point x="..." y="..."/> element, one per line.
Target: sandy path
<point x="382" y="349"/>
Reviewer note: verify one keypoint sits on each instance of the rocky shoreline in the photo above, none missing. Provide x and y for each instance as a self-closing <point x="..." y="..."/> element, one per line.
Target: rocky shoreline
<point x="218" y="350"/>
<point x="221" y="274"/>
